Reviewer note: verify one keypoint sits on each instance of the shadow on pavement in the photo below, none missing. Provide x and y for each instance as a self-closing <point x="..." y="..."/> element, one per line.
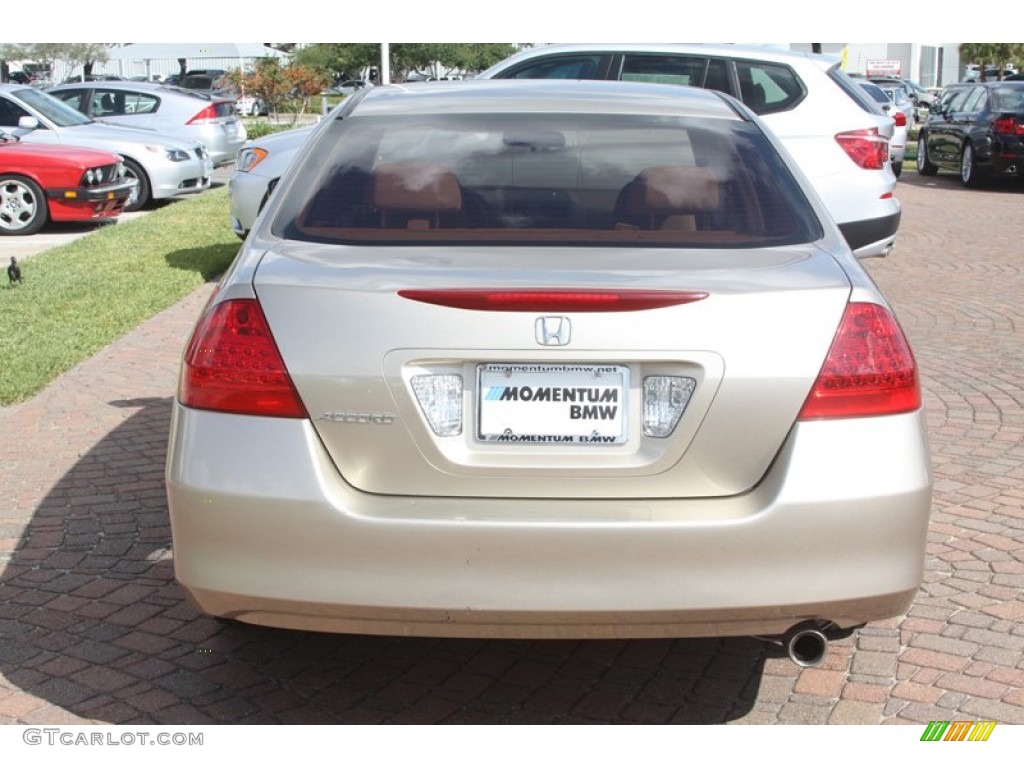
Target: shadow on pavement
<point x="210" y="261"/>
<point x="92" y="626"/>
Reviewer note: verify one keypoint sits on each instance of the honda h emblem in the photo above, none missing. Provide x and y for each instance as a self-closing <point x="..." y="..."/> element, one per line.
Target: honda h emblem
<point x="553" y="331"/>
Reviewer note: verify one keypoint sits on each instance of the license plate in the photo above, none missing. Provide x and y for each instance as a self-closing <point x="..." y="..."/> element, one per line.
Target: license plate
<point x="552" y="404"/>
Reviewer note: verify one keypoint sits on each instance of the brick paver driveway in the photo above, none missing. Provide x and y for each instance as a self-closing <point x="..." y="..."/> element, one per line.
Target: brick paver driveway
<point x="93" y="628"/>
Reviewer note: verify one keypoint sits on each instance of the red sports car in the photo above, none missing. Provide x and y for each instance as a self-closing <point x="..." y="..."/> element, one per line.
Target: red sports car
<point x="41" y="183"/>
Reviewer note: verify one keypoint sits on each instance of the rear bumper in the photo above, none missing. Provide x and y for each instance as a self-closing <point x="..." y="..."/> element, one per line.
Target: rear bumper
<point x="872" y="237"/>
<point x="265" y="531"/>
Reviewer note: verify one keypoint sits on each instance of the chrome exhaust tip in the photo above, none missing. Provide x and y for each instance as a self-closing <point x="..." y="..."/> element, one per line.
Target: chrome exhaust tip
<point x="806" y="643"/>
<point x="806" y="646"/>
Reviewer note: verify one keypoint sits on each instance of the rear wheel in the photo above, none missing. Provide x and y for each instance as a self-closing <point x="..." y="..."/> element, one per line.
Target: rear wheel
<point x="140" y="197"/>
<point x="897" y="168"/>
<point x="969" y="173"/>
<point x="23" y="209"/>
<point x="925" y="167"/>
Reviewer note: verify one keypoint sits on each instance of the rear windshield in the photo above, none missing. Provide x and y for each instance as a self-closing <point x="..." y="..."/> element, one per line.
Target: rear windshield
<point x="562" y="179"/>
<point x="1008" y="98"/>
<point x="852" y="89"/>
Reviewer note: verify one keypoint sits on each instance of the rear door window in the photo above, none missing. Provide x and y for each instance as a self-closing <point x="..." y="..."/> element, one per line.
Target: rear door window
<point x="107" y="101"/>
<point x="855" y="91"/>
<point x="677" y="69"/>
<point x="670" y="70"/>
<point x="976" y="101"/>
<point x="768" y="88"/>
<point x="960" y="99"/>
<point x="74" y="98"/>
<point x="586" y="67"/>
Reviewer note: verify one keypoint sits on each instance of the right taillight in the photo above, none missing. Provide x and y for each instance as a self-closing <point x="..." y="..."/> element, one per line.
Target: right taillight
<point x="869" y="371"/>
<point x="900" y="118"/>
<point x="233" y="365"/>
<point x="866" y="147"/>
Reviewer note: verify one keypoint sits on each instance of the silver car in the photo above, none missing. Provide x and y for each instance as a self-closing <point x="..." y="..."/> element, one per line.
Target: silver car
<point x="203" y="117"/>
<point x="165" y="166"/>
<point x="548" y="359"/>
<point x="258" y="167"/>
<point x="898" y="142"/>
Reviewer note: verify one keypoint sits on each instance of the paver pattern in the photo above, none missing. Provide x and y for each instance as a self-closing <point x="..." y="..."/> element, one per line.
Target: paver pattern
<point x="94" y="630"/>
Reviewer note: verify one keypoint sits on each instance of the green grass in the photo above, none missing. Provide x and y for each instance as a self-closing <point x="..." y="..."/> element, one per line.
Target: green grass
<point x="76" y="299"/>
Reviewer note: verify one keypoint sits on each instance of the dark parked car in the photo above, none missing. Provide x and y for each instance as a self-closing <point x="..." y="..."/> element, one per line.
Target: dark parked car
<point x="976" y="129"/>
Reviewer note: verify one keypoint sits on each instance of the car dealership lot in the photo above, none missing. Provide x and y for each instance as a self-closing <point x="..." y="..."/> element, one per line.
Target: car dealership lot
<point x="93" y="628"/>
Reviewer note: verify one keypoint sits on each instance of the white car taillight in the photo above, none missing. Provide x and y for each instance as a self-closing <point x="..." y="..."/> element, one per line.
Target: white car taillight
<point x="440" y="399"/>
<point x="665" y="399"/>
<point x="867" y="148"/>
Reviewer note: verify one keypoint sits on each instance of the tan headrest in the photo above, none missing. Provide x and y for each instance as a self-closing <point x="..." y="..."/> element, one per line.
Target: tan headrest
<point x="675" y="189"/>
<point x="415" y="187"/>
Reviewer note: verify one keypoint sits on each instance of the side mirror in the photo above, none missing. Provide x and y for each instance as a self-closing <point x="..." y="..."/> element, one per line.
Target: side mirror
<point x="28" y="122"/>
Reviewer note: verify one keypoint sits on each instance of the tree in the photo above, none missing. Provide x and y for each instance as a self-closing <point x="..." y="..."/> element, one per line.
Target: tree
<point x="339" y="59"/>
<point x="442" y="58"/>
<point x="278" y="85"/>
<point x="84" y="54"/>
<point x="997" y="55"/>
<point x="306" y="82"/>
<point x="436" y="59"/>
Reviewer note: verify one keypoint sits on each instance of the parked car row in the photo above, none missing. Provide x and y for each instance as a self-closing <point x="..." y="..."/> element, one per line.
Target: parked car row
<point x="167" y="140"/>
<point x="164" y="166"/>
<point x="898" y="142"/>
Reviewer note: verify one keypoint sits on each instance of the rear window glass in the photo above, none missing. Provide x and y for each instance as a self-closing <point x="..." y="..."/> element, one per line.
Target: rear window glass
<point x="853" y="89"/>
<point x="767" y="88"/>
<point x="586" y="67"/>
<point x="554" y="178"/>
<point x="1008" y="99"/>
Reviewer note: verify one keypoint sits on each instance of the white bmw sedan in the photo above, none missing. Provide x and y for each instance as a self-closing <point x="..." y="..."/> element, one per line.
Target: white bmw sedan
<point x="548" y="359"/>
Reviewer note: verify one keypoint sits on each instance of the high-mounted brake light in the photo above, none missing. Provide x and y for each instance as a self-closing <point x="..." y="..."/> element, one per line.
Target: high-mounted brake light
<point x="866" y="147"/>
<point x="869" y="371"/>
<point x="547" y="300"/>
<point x="207" y="115"/>
<point x="232" y="364"/>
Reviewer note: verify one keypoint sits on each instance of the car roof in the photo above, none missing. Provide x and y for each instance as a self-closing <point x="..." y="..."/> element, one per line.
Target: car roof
<point x="518" y="96"/>
<point x="749" y="52"/>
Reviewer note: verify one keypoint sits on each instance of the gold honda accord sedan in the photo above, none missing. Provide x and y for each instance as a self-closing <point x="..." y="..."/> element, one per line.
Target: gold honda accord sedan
<point x="548" y="359"/>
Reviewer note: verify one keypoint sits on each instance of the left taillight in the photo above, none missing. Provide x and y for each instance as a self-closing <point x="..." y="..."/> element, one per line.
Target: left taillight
<point x="233" y="365"/>
<point x="1009" y="126"/>
<point x="869" y="370"/>
<point x="866" y="147"/>
<point x="206" y="115"/>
